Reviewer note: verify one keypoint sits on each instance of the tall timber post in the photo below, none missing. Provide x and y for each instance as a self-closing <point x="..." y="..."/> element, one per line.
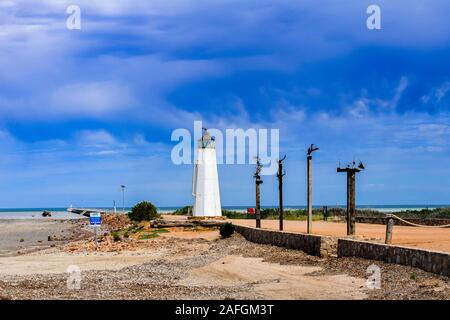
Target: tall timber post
<point x="280" y="176"/>
<point x="351" y="208"/>
<point x="311" y="149"/>
<point x="258" y="182"/>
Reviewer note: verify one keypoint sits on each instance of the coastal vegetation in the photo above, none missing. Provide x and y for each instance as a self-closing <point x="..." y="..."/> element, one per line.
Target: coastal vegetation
<point x="183" y="211"/>
<point x="436" y="213"/>
<point x="301" y="214"/>
<point x="226" y="230"/>
<point x="116" y="236"/>
<point x="150" y="234"/>
<point x="143" y="211"/>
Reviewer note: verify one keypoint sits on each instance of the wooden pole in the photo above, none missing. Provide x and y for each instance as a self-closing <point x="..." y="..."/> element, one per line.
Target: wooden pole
<point x="309" y="174"/>
<point x="351" y="207"/>
<point x="351" y="202"/>
<point x="389" y="226"/>
<point x="258" y="181"/>
<point x="280" y="190"/>
<point x="258" y="205"/>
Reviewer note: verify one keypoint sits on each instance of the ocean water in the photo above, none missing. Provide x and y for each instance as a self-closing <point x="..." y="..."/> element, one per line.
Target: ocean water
<point x="33" y="213"/>
<point x="61" y="213"/>
<point x="380" y="208"/>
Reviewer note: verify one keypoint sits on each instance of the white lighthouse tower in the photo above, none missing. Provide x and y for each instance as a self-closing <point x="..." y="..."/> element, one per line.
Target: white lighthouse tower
<point x="205" y="180"/>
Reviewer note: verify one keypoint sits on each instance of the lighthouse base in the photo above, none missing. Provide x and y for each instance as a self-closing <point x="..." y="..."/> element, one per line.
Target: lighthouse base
<point x="207" y="218"/>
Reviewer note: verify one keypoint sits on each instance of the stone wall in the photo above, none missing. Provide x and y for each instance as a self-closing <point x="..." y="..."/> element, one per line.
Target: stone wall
<point x="425" y="222"/>
<point x="431" y="261"/>
<point x="323" y="246"/>
<point x="312" y="244"/>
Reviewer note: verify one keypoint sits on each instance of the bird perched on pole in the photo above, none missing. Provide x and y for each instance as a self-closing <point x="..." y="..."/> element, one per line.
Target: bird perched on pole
<point x="257" y="174"/>
<point x="361" y="165"/>
<point x="311" y="149"/>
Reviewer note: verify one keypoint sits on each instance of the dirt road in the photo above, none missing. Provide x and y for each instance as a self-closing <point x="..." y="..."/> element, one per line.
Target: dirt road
<point x="199" y="265"/>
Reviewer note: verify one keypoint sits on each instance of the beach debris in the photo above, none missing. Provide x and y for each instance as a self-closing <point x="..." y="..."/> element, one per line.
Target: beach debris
<point x="115" y="222"/>
<point x="106" y="245"/>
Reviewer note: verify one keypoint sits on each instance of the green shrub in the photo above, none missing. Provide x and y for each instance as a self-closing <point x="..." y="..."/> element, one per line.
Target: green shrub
<point x="235" y="215"/>
<point x="143" y="211"/>
<point x="160" y="231"/>
<point x="116" y="236"/>
<point x="147" y="236"/>
<point x="135" y="228"/>
<point x="226" y="230"/>
<point x="301" y="214"/>
<point x="183" y="211"/>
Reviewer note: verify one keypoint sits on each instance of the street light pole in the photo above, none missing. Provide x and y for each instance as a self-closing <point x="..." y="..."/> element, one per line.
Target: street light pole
<point x="123" y="197"/>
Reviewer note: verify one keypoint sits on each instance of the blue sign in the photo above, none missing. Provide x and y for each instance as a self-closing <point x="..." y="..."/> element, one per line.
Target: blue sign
<point x="95" y="219"/>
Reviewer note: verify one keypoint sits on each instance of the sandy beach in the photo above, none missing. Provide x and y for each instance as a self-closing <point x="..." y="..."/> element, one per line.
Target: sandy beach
<point x="188" y="263"/>
<point x="26" y="235"/>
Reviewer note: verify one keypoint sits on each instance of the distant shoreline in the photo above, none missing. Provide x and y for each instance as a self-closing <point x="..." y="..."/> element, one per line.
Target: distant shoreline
<point x="27" y="235"/>
<point x="61" y="213"/>
<point x="365" y="206"/>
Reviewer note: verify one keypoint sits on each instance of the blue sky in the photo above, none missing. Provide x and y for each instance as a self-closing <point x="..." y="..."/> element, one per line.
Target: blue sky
<point x="84" y="111"/>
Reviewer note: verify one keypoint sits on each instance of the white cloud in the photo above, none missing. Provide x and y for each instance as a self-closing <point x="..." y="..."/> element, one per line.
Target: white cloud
<point x="402" y="85"/>
<point x="102" y="153"/>
<point x="95" y="138"/>
<point x="4" y="134"/>
<point x="436" y="94"/>
<point x="92" y="99"/>
<point x="84" y="72"/>
<point x="441" y="92"/>
<point x="359" y="109"/>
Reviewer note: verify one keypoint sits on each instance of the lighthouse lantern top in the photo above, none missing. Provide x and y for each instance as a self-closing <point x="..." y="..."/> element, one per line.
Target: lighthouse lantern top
<point x="206" y="141"/>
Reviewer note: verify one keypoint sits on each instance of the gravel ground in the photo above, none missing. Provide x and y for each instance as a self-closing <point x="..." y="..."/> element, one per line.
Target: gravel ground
<point x="397" y="282"/>
<point x="158" y="279"/>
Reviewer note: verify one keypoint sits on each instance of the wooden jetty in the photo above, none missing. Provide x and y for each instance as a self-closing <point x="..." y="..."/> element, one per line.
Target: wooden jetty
<point x="85" y="211"/>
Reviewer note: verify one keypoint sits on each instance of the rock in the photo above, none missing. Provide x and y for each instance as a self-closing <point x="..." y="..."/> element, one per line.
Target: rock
<point x="46" y="213"/>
